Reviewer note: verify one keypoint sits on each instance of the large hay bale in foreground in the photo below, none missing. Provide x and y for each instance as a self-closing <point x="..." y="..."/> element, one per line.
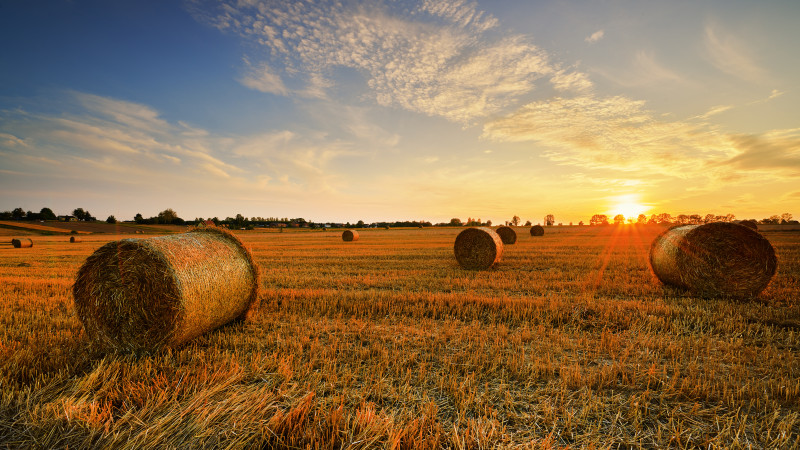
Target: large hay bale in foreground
<point x="74" y="239"/>
<point x="478" y="248"/>
<point x="147" y="294"/>
<point x="716" y="259"/>
<point x="22" y="243"/>
<point x="507" y="235"/>
<point x="537" y="230"/>
<point x="349" y="235"/>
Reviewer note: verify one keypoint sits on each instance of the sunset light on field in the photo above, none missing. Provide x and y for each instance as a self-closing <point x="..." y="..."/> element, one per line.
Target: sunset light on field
<point x="398" y="110"/>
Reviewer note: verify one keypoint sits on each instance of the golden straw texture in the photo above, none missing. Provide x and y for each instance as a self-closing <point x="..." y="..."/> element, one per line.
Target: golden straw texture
<point x="507" y="235"/>
<point x="478" y="248"/>
<point x="712" y="260"/>
<point x="146" y="294"/>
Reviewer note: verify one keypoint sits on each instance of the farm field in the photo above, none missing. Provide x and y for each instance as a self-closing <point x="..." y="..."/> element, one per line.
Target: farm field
<point x="386" y="342"/>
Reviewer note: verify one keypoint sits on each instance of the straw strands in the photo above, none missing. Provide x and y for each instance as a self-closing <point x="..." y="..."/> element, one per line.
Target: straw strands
<point x="478" y="248"/>
<point x="147" y="294"/>
<point x="716" y="259"/>
<point x="537" y="230"/>
<point x="22" y="243"/>
<point x="507" y="235"/>
<point x="349" y="235"/>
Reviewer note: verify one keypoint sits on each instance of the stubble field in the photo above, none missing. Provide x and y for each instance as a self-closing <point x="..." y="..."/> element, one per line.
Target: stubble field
<point x="386" y="342"/>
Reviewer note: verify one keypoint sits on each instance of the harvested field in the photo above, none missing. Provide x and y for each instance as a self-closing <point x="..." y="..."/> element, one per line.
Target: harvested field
<point x="571" y="341"/>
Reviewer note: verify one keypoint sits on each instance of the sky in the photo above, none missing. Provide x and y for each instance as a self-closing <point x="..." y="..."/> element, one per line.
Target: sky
<point x="399" y="109"/>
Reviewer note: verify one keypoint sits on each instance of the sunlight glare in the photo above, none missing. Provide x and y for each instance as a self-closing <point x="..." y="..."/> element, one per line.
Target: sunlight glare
<point x="628" y="205"/>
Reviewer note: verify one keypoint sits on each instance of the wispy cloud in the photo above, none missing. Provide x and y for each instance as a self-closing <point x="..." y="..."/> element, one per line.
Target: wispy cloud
<point x="612" y="133"/>
<point x="594" y="37"/>
<point x="563" y="80"/>
<point x="776" y="152"/>
<point x="436" y="57"/>
<point x="263" y="78"/>
<point x="116" y="140"/>
<point x="731" y="55"/>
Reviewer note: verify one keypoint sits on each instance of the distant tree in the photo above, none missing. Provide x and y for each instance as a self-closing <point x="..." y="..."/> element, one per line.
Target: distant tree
<point x="549" y="220"/>
<point x="708" y="218"/>
<point x="47" y="214"/>
<point x="580" y="224"/>
<point x="772" y="220"/>
<point x="682" y="219"/>
<point x="664" y="218"/>
<point x="619" y="219"/>
<point x="695" y="219"/>
<point x="111" y="219"/>
<point x="455" y="222"/>
<point x="30" y="215"/>
<point x="488" y="223"/>
<point x="138" y="218"/>
<point x="360" y="224"/>
<point x="642" y="219"/>
<point x="18" y="213"/>
<point x="786" y="218"/>
<point x="528" y="223"/>
<point x="167" y="216"/>
<point x="6" y="215"/>
<point x="515" y="220"/>
<point x="599" y="219"/>
<point x="79" y="213"/>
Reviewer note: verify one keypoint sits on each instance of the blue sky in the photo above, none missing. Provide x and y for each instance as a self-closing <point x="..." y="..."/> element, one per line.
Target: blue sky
<point x="380" y="110"/>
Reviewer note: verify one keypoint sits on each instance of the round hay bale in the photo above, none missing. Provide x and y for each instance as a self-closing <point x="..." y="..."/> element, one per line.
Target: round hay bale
<point x="752" y="224"/>
<point x="74" y="239"/>
<point x="22" y="243"/>
<point x="478" y="248"/>
<point x="507" y="235"/>
<point x="537" y="230"/>
<point x="349" y="235"/>
<point x="147" y="294"/>
<point x="712" y="260"/>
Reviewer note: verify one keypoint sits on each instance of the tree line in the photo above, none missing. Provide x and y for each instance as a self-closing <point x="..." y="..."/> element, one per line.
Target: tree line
<point x="169" y="216"/>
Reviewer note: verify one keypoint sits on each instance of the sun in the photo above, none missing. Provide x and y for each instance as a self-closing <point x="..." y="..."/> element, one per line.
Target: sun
<point x="628" y="205"/>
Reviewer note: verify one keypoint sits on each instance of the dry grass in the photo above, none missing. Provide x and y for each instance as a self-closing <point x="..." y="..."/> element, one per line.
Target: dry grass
<point x="478" y="248"/>
<point x="146" y="294"/>
<point x="571" y="342"/>
<point x="717" y="259"/>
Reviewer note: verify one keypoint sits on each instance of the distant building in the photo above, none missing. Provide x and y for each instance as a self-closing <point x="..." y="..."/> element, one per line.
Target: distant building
<point x="67" y="219"/>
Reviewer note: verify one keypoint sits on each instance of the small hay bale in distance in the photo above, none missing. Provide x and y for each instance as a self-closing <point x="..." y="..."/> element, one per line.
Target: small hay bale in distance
<point x="74" y="239"/>
<point x="137" y="295"/>
<point x="22" y="243"/>
<point x="507" y="235"/>
<point x="349" y="235"/>
<point x="478" y="248"/>
<point x="714" y="260"/>
<point x="537" y="230"/>
<point x="752" y="224"/>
